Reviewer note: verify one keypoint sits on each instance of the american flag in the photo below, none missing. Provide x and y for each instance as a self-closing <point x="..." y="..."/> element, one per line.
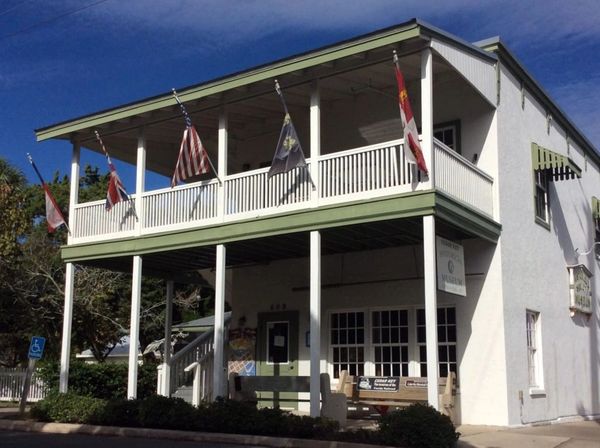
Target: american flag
<point x="193" y="158"/>
<point x="116" y="191"/>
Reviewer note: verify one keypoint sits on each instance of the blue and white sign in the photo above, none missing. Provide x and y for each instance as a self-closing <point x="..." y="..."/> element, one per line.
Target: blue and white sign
<point x="450" y="267"/>
<point x="36" y="348"/>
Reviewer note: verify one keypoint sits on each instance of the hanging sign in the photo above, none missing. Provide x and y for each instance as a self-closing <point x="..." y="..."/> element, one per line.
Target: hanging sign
<point x="580" y="285"/>
<point x="450" y="267"/>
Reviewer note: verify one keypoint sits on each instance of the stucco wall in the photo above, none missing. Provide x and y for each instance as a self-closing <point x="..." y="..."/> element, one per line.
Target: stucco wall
<point x="534" y="261"/>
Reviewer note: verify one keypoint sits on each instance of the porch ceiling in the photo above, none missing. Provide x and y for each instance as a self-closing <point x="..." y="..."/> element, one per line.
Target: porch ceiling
<point x="254" y="110"/>
<point x="182" y="264"/>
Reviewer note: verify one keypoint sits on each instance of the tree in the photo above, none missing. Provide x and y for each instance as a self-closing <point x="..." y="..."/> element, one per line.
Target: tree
<point x="32" y="278"/>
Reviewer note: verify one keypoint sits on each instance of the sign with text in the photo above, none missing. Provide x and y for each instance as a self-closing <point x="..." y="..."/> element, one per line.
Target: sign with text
<point x="378" y="383"/>
<point x="450" y="267"/>
<point x="36" y="347"/>
<point x="580" y="285"/>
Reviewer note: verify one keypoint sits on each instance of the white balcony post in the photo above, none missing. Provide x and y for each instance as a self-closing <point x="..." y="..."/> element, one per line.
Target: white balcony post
<point x="427" y="113"/>
<point x="65" y="349"/>
<point x="430" y="279"/>
<point x="134" y="331"/>
<point x="218" y="374"/>
<point x="74" y="192"/>
<point x="315" y="322"/>
<point x="140" y="179"/>
<point x="222" y="162"/>
<point x="315" y="140"/>
<point x="166" y="370"/>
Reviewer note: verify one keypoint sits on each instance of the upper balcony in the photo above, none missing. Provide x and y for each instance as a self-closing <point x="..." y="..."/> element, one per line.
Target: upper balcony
<point x="359" y="174"/>
<point x="343" y="100"/>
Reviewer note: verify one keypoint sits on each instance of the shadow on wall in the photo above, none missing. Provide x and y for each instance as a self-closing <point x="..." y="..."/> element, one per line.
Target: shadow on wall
<point x="478" y="255"/>
<point x="571" y="257"/>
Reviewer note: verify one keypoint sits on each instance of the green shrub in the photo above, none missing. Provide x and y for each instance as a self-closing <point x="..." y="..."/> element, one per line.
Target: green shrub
<point x="120" y="413"/>
<point x="166" y="413"/>
<point x="68" y="408"/>
<point x="102" y="380"/>
<point x="418" y="425"/>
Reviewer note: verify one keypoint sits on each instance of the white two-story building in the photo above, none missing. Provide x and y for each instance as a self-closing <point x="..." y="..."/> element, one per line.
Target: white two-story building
<point x="378" y="270"/>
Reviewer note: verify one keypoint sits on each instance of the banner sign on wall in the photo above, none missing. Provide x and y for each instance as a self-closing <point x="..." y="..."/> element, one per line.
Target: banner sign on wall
<point x="580" y="285"/>
<point x="450" y="267"/>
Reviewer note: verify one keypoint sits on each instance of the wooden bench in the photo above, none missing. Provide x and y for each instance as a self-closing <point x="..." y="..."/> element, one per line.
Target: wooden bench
<point x="247" y="388"/>
<point x="409" y="390"/>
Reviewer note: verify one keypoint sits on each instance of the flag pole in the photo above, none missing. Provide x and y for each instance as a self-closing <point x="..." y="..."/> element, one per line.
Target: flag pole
<point x="44" y="183"/>
<point x="131" y="202"/>
<point x="188" y="122"/>
<point x="280" y="93"/>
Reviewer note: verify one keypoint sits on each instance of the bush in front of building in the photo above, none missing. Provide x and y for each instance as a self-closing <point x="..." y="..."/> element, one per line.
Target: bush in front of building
<point x="418" y="425"/>
<point x="68" y="408"/>
<point x="101" y="380"/>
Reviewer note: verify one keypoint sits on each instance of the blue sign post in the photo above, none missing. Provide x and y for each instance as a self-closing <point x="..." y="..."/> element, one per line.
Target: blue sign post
<point x="36" y="350"/>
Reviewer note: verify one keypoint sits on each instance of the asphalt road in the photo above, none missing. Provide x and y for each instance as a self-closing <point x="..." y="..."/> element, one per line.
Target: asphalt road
<point x="9" y="439"/>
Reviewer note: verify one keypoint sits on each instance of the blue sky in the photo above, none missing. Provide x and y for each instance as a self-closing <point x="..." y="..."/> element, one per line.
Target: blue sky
<point x="119" y="51"/>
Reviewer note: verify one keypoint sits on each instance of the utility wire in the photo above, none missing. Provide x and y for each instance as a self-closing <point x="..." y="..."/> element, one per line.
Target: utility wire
<point x="52" y="19"/>
<point x="6" y="11"/>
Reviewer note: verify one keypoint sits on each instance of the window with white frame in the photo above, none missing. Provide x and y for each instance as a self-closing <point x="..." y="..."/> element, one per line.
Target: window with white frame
<point x="390" y="342"/>
<point x="381" y="342"/>
<point x="448" y="134"/>
<point x="347" y="339"/>
<point x="541" y="195"/>
<point x="533" y="349"/>
<point x="446" y="329"/>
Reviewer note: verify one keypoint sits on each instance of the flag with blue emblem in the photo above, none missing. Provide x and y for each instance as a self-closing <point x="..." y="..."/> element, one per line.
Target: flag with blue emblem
<point x="288" y="154"/>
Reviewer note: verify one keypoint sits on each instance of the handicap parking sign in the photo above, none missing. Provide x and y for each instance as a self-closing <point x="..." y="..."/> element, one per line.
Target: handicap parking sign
<point x="36" y="348"/>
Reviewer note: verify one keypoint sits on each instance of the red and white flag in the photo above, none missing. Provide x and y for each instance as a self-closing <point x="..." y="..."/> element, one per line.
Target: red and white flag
<point x="411" y="136"/>
<point x="193" y="158"/>
<point x="54" y="216"/>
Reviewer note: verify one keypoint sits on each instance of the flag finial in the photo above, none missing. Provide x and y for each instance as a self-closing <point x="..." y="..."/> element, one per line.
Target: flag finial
<point x="395" y="57"/>
<point x="188" y="120"/>
<point x="277" y="88"/>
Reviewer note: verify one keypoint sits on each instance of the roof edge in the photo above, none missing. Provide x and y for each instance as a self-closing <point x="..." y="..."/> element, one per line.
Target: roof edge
<point x="498" y="46"/>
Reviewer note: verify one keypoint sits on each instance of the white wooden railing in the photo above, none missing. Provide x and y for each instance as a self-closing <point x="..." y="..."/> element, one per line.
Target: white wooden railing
<point x="200" y="350"/>
<point x="11" y="385"/>
<point x="461" y="179"/>
<point x="362" y="173"/>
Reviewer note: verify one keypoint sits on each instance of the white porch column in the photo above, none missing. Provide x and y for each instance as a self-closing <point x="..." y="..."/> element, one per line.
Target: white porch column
<point x="427" y="113"/>
<point x="166" y="387"/>
<point x="430" y="278"/>
<point x="134" y="331"/>
<point x="222" y="162"/>
<point x="74" y="191"/>
<point x="315" y="139"/>
<point x="140" y="179"/>
<point x="218" y="376"/>
<point x="315" y="322"/>
<point x="65" y="349"/>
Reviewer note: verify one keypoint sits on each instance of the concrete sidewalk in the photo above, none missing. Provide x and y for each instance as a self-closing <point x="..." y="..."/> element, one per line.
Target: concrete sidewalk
<point x="583" y="434"/>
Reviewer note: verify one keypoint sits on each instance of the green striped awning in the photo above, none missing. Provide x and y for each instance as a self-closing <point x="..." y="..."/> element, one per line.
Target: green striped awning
<point x="560" y="167"/>
<point x="595" y="207"/>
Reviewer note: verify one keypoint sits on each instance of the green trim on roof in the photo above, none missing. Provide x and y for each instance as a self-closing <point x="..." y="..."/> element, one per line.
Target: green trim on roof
<point x="391" y="36"/>
<point x="561" y="167"/>
<point x="516" y="68"/>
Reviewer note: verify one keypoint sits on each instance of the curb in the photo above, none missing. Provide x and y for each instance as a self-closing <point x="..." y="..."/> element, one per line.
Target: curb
<point x="170" y="434"/>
